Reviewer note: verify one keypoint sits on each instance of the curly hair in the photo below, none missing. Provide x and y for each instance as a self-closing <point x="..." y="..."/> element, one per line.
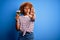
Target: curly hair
<point x="24" y="5"/>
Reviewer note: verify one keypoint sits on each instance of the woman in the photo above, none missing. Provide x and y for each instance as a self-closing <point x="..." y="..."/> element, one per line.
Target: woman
<point x="25" y="21"/>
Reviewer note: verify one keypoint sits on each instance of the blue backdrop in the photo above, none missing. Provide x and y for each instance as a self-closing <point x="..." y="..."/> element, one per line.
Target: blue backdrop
<point x="47" y="24"/>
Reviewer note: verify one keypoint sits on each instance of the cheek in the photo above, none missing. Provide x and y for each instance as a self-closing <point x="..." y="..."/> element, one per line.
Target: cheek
<point x="28" y="10"/>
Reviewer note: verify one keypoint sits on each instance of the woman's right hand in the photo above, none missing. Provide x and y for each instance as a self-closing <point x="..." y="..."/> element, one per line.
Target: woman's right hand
<point x="17" y="14"/>
<point x="17" y="17"/>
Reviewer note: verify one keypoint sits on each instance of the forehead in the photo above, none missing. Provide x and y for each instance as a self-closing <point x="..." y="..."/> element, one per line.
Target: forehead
<point x="26" y="7"/>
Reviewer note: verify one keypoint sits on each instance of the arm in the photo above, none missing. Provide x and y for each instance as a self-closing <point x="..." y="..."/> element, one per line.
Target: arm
<point x="17" y="22"/>
<point x="32" y="14"/>
<point x="32" y="17"/>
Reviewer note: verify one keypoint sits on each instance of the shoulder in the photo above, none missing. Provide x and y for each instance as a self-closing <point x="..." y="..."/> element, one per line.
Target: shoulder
<point x="20" y="17"/>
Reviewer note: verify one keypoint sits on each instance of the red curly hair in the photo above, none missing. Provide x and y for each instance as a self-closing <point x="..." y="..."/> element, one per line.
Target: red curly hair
<point x="24" y="5"/>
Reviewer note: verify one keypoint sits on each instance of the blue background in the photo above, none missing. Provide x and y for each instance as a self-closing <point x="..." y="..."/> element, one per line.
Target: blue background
<point x="47" y="24"/>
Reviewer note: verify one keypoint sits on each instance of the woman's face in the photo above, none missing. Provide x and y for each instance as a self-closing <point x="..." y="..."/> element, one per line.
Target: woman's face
<point x="26" y="9"/>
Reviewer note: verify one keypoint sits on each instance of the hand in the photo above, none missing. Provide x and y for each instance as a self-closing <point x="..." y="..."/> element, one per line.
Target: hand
<point x="17" y="17"/>
<point x="30" y="15"/>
